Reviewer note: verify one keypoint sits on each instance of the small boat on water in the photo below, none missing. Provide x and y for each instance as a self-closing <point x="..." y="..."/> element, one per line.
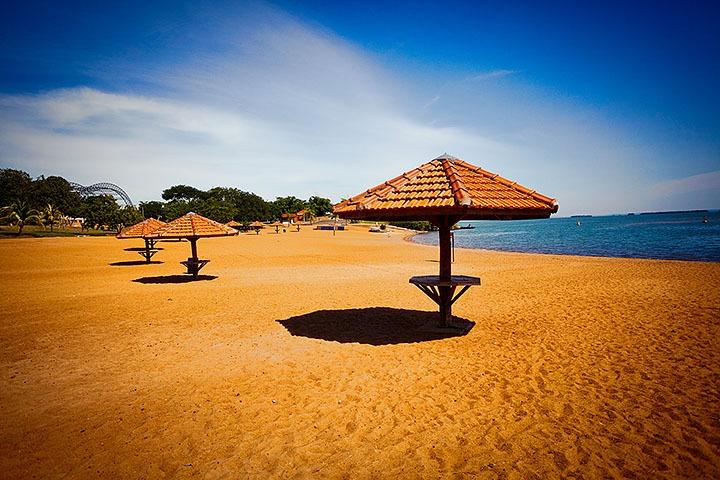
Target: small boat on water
<point x="465" y="227"/>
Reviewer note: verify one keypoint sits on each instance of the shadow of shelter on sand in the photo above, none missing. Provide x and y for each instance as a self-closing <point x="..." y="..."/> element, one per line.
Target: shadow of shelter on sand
<point x="373" y="326"/>
<point x="132" y="263"/>
<point x="175" y="279"/>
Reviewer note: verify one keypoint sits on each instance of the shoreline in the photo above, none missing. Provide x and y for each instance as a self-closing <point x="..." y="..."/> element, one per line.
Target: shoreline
<point x="409" y="238"/>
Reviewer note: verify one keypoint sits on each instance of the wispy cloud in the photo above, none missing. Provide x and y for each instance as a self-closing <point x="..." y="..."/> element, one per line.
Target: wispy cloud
<point x="432" y="101"/>
<point x="492" y="74"/>
<point x="694" y="183"/>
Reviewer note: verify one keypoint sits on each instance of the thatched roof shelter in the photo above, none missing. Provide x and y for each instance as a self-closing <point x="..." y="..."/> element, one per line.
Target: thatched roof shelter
<point x="193" y="227"/>
<point x="141" y="230"/>
<point x="447" y="186"/>
<point x="444" y="191"/>
<point x="257" y="225"/>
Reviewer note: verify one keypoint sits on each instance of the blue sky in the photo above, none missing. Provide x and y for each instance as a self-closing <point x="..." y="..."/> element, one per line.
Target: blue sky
<point x="607" y="107"/>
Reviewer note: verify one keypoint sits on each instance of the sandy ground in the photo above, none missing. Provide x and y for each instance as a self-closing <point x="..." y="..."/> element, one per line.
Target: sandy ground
<point x="306" y="358"/>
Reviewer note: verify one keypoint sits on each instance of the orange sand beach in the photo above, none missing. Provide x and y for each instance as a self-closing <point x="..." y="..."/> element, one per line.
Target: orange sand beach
<point x="306" y="358"/>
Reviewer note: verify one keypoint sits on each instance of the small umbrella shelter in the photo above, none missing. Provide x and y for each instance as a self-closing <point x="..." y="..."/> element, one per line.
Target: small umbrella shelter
<point x="141" y="230"/>
<point x="234" y="224"/>
<point x="278" y="226"/>
<point x="445" y="191"/>
<point x="257" y="225"/>
<point x="193" y="227"/>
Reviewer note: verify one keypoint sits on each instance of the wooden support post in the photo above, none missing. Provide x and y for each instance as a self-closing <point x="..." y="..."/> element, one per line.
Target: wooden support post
<point x="445" y="271"/>
<point x="147" y="250"/>
<point x="193" y="247"/>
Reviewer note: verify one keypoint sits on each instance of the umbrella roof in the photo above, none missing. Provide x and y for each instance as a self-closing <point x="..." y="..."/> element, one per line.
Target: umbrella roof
<point x="141" y="229"/>
<point x="193" y="225"/>
<point x="257" y="223"/>
<point x="233" y="224"/>
<point x="448" y="186"/>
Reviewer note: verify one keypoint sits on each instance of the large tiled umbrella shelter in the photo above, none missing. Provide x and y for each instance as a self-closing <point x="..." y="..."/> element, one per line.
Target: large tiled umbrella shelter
<point x="193" y="227"/>
<point x="444" y="191"/>
<point x="141" y="230"/>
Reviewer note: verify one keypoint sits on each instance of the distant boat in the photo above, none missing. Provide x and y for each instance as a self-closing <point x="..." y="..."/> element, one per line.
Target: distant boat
<point x="577" y="222"/>
<point x="465" y="227"/>
<point x="705" y="220"/>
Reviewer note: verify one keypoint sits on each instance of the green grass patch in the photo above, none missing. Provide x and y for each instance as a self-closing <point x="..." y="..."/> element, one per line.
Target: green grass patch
<point x="34" y="231"/>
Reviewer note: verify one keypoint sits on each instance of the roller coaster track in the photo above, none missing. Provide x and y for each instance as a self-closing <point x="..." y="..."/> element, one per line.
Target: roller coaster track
<point x="102" y="189"/>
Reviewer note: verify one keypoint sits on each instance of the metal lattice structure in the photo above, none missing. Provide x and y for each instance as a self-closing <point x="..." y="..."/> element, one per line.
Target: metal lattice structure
<point x="103" y="188"/>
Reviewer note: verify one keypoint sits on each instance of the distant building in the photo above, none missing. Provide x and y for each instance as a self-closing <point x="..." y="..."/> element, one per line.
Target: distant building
<point x="300" y="216"/>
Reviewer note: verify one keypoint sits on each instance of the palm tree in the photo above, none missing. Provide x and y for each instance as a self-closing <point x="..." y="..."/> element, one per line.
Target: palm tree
<point x="51" y="215"/>
<point x="22" y="214"/>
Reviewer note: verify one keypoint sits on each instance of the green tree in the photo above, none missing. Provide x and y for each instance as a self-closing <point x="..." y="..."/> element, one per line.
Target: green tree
<point x="319" y="206"/>
<point x="55" y="191"/>
<point x="152" y="209"/>
<point x="174" y="209"/>
<point x="286" y="205"/>
<point x="50" y="216"/>
<point x="127" y="216"/>
<point x="182" y="192"/>
<point x="99" y="210"/>
<point x="14" y="185"/>
<point x="213" y="208"/>
<point x="21" y="213"/>
<point x="248" y="206"/>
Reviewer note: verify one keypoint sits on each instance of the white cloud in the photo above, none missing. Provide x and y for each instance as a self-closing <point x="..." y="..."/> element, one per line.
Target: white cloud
<point x="285" y="109"/>
<point x="147" y="144"/>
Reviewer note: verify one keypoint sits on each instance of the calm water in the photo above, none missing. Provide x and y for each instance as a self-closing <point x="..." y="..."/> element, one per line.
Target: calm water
<point x="680" y="236"/>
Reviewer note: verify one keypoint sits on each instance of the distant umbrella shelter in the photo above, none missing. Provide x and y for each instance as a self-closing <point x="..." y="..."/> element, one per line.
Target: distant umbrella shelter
<point x="257" y="226"/>
<point x="193" y="227"/>
<point x="445" y="191"/>
<point x="142" y="230"/>
<point x="234" y="224"/>
<point x="278" y="226"/>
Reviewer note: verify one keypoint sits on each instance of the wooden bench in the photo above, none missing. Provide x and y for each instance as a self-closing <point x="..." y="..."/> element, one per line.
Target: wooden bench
<point x="194" y="265"/>
<point x="442" y="291"/>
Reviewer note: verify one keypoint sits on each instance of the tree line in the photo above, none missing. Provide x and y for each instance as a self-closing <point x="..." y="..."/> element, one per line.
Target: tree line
<point x="48" y="200"/>
<point x="223" y="204"/>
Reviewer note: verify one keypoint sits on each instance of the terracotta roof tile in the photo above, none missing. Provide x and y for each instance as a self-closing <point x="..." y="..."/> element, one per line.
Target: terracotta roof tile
<point x="141" y="229"/>
<point x="193" y="225"/>
<point x="448" y="185"/>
